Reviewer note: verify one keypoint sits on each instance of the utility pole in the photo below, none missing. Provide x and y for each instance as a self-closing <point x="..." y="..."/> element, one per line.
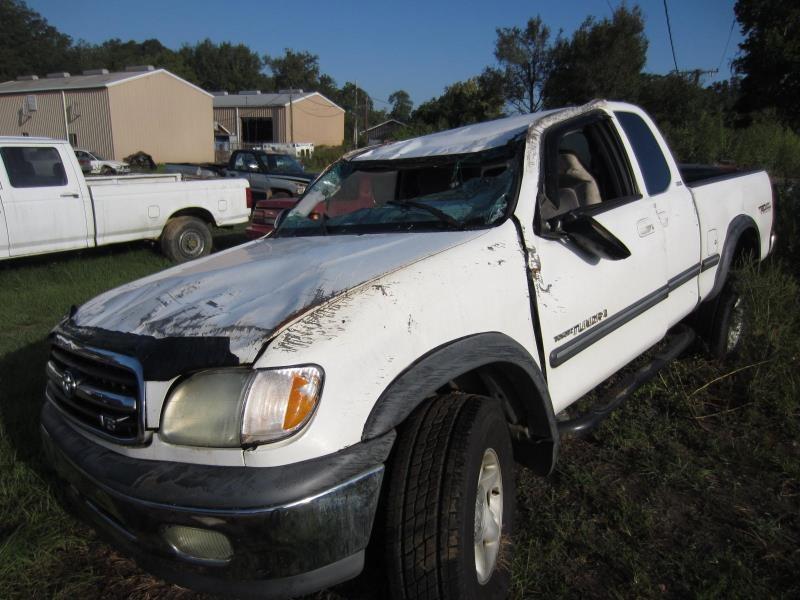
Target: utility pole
<point x="355" y="117"/>
<point x="366" y="117"/>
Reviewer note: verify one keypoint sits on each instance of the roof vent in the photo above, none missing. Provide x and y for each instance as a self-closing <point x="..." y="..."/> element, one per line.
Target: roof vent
<point x="27" y="78"/>
<point x="219" y="93"/>
<point x="250" y="92"/>
<point x="61" y="75"/>
<point x="96" y="72"/>
<point x="136" y="68"/>
<point x="291" y="91"/>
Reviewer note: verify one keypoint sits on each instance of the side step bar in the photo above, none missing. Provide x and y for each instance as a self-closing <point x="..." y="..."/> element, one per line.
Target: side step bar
<point x="679" y="338"/>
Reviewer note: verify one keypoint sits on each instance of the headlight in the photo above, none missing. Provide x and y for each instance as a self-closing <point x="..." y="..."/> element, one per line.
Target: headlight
<point x="228" y="408"/>
<point x="300" y="189"/>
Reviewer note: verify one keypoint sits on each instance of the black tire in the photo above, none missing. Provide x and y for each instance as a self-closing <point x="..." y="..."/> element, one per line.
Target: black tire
<point x="280" y="194"/>
<point x="431" y="511"/>
<point x="725" y="323"/>
<point x="106" y="170"/>
<point x="185" y="238"/>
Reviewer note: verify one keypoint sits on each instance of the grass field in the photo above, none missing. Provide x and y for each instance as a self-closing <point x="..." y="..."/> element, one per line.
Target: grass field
<point x="691" y="489"/>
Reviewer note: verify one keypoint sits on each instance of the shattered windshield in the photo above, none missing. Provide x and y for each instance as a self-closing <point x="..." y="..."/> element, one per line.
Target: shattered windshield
<point x="433" y="193"/>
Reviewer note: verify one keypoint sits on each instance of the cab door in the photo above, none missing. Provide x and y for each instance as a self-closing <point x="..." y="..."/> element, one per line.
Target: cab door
<point x="596" y="312"/>
<point x="674" y="208"/>
<point x="42" y="201"/>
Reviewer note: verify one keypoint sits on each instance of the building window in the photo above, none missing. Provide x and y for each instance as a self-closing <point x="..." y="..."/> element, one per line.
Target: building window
<point x="256" y="130"/>
<point x="33" y="167"/>
<point x="73" y="139"/>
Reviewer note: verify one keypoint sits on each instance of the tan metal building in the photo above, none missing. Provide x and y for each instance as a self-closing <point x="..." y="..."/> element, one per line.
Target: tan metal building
<point x="298" y="117"/>
<point x="114" y="114"/>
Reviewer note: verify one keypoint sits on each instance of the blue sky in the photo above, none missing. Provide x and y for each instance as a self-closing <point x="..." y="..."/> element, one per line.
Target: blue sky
<point x="417" y="46"/>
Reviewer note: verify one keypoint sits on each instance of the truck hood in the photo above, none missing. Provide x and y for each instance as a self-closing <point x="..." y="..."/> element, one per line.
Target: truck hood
<point x="248" y="293"/>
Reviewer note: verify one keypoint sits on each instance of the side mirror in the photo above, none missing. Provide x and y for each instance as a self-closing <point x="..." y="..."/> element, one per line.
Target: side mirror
<point x="591" y="237"/>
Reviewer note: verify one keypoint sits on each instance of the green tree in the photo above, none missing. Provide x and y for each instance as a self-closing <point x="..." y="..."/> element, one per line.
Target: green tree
<point x="525" y="61"/>
<point x="29" y="45"/>
<point x="770" y="60"/>
<point x="225" y="66"/>
<point x="401" y="106"/>
<point x="116" y="55"/>
<point x="294" y="70"/>
<point x="603" y="59"/>
<point x="472" y="101"/>
<point x="689" y="115"/>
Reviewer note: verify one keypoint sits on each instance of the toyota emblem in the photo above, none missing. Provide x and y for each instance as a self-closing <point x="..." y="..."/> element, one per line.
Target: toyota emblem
<point x="68" y="383"/>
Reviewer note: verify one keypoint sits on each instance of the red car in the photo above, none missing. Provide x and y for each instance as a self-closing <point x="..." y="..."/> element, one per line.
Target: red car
<point x="266" y="212"/>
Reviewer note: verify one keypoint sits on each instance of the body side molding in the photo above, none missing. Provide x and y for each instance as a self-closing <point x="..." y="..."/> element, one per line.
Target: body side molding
<point x="580" y="343"/>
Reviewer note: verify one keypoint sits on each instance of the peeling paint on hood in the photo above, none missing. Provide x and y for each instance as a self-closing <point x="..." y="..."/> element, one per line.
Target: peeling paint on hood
<point x="247" y="293"/>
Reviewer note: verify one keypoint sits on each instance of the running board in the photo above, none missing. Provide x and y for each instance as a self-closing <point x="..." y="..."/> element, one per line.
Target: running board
<point x="681" y="336"/>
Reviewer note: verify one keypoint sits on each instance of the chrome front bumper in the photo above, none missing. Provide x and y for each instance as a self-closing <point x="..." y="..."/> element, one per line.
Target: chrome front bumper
<point x="279" y="549"/>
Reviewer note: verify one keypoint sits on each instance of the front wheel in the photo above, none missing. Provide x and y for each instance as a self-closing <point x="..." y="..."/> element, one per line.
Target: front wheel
<point x="450" y="502"/>
<point x="185" y="238"/>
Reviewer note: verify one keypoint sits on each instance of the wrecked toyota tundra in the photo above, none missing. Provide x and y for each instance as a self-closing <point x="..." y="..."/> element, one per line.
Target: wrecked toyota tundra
<point x="366" y="377"/>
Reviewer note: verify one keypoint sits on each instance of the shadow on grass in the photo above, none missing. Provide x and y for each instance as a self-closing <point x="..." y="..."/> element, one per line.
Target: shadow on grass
<point x="22" y="380"/>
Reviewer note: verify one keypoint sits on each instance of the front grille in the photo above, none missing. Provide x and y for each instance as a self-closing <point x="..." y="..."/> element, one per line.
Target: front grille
<point x="100" y="390"/>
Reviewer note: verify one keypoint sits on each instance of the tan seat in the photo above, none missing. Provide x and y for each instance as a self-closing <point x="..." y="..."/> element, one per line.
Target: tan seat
<point x="573" y="175"/>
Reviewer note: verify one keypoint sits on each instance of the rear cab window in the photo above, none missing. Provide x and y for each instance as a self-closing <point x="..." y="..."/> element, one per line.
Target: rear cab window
<point x="652" y="163"/>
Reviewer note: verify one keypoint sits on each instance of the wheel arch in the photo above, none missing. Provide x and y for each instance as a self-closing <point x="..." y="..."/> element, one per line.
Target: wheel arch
<point x="741" y="240"/>
<point x="490" y="364"/>
<point x="194" y="211"/>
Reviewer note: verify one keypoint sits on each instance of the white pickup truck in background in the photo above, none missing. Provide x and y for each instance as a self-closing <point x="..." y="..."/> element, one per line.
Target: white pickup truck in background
<point x="416" y="324"/>
<point x="46" y="205"/>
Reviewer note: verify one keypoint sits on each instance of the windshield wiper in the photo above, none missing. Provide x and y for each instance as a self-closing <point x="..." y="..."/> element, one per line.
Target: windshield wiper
<point x="439" y="214"/>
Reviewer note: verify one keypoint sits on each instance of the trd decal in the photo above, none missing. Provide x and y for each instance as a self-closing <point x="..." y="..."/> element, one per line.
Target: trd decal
<point x="765" y="207"/>
<point x="583" y="325"/>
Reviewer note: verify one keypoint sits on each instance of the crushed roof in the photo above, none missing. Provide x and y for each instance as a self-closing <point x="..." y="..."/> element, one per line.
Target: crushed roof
<point x="470" y="138"/>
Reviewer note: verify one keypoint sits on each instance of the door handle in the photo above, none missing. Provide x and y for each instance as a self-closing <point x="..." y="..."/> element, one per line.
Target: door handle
<point x="645" y="227"/>
<point x="73" y="195"/>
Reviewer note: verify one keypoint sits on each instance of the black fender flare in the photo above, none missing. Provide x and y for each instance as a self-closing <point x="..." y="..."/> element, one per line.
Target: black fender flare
<point x="441" y="365"/>
<point x="737" y="227"/>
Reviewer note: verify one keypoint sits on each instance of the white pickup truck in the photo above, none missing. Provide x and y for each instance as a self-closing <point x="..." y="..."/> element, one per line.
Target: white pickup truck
<point x="365" y="378"/>
<point x="46" y="205"/>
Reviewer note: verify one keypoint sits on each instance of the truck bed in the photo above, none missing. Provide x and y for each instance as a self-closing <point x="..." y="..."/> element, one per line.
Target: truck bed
<point x="201" y="170"/>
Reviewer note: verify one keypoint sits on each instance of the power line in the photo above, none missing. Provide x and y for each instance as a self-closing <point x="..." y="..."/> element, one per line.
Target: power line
<point x="669" y="30"/>
<point x="724" y="52"/>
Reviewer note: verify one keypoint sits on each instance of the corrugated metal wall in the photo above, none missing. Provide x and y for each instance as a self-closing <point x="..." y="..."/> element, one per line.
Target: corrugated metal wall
<point x="88" y="118"/>
<point x="163" y="116"/>
<point x="227" y="118"/>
